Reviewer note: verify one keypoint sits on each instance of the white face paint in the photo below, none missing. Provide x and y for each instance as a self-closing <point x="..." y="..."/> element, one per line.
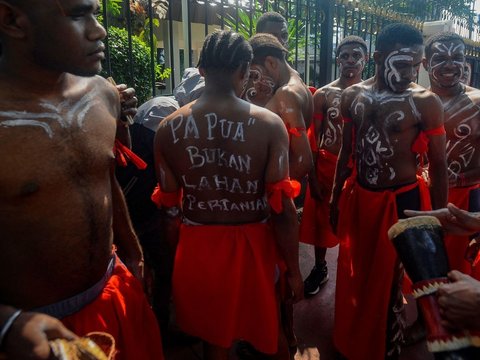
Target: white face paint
<point x="351" y="60"/>
<point x="401" y="68"/>
<point x="65" y="114"/>
<point x="263" y="85"/>
<point x="446" y="63"/>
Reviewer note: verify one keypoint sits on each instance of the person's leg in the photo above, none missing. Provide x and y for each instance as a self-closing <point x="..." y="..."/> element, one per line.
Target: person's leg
<point x="319" y="274"/>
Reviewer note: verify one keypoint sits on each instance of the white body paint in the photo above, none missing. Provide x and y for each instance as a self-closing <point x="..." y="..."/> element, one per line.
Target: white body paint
<point x="66" y="114"/>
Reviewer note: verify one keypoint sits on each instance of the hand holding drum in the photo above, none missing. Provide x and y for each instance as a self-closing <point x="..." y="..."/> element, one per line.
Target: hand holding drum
<point x="419" y="245"/>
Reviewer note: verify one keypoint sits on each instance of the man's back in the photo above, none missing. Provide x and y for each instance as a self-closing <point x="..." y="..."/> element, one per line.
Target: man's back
<point x="55" y="190"/>
<point x="220" y="155"/>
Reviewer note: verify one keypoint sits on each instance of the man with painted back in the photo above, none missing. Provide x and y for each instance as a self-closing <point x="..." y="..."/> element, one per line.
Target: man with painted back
<point x="60" y="203"/>
<point x="222" y="166"/>
<point x="444" y="61"/>
<point x="386" y="122"/>
<point x="291" y="100"/>
<point x="326" y="141"/>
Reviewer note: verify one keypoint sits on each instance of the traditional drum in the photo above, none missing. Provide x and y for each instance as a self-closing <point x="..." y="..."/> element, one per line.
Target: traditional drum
<point x="419" y="244"/>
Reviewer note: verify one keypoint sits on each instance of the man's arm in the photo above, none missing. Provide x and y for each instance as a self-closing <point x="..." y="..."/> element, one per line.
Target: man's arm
<point x="342" y="171"/>
<point x="285" y="223"/>
<point x="319" y="104"/>
<point x="455" y="221"/>
<point x="28" y="334"/>
<point x="432" y="117"/>
<point x="129" y="249"/>
<point x="167" y="185"/>
<point x="288" y="106"/>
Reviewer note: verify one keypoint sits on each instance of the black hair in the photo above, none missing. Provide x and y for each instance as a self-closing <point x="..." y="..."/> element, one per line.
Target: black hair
<point x="271" y="16"/>
<point x="224" y="50"/>
<point x="352" y="39"/>
<point x="264" y="45"/>
<point x="441" y="37"/>
<point x="398" y="33"/>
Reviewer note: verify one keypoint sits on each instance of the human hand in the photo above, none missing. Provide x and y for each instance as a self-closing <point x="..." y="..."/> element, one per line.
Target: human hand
<point x="460" y="302"/>
<point x="128" y="102"/>
<point x="29" y="335"/>
<point x="454" y="220"/>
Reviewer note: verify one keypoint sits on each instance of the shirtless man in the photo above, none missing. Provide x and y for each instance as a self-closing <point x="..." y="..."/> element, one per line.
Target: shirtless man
<point x="229" y="159"/>
<point x="326" y="140"/>
<point x="445" y="59"/>
<point x="292" y="100"/>
<point x="390" y="119"/>
<point x="60" y="203"/>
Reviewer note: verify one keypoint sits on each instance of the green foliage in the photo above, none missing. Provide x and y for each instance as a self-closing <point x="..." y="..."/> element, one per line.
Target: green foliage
<point x="114" y="8"/>
<point x="296" y="30"/>
<point x="118" y="46"/>
<point x="424" y="9"/>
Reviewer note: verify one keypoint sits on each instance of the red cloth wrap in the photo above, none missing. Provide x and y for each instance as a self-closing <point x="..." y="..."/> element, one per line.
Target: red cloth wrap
<point x="224" y="284"/>
<point x="122" y="311"/>
<point x="456" y="246"/>
<point x="167" y="199"/>
<point x="366" y="266"/>
<point x="347" y="120"/>
<point x="420" y="145"/>
<point x="287" y="187"/>
<point x="315" y="227"/>
<point x="123" y="154"/>
<point x="312" y="89"/>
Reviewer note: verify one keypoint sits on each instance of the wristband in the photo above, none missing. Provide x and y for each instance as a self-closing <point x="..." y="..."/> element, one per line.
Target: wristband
<point x="8" y="324"/>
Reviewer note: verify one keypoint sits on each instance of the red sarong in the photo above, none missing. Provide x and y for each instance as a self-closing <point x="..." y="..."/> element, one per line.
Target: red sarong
<point x="366" y="265"/>
<point x="224" y="284"/>
<point x="456" y="246"/>
<point x="122" y="311"/>
<point x="315" y="227"/>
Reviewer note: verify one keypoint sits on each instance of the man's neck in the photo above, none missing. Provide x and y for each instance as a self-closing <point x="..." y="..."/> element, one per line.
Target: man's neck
<point x="344" y="82"/>
<point x="33" y="79"/>
<point x="447" y="92"/>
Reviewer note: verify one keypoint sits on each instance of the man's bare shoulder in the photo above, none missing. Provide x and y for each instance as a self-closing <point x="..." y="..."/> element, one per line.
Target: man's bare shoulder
<point x="424" y="96"/>
<point x="473" y="94"/>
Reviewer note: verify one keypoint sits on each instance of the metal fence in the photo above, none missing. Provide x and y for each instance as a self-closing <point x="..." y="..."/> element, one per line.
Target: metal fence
<point x="174" y="32"/>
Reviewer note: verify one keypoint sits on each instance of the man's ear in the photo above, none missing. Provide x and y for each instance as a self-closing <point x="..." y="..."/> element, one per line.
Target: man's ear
<point x="13" y="21"/>
<point x="201" y="71"/>
<point x="271" y="63"/>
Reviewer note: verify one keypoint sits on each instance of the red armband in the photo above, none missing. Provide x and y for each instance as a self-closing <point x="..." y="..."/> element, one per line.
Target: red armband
<point x="312" y="140"/>
<point x="123" y="154"/>
<point x="167" y="199"/>
<point x="296" y="131"/>
<point x="289" y="188"/>
<point x="420" y="145"/>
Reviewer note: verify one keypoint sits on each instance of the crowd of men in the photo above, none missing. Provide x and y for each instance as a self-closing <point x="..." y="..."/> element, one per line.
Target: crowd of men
<point x="229" y="153"/>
